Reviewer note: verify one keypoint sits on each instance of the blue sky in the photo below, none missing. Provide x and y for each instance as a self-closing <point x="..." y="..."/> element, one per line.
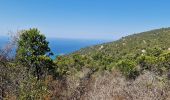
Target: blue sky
<point x="89" y="19"/>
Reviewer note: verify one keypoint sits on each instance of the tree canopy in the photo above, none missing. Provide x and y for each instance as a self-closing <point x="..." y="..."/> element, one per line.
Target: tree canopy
<point x="33" y="51"/>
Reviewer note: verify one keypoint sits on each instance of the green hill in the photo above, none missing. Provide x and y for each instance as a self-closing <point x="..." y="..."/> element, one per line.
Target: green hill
<point x="133" y="67"/>
<point x="131" y="45"/>
<point x="108" y="56"/>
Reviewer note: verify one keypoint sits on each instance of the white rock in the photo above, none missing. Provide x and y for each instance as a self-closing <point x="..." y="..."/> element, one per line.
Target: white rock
<point x="101" y="47"/>
<point x="143" y="51"/>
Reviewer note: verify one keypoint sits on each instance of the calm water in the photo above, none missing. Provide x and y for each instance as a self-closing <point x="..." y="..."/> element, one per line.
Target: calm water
<point x="63" y="46"/>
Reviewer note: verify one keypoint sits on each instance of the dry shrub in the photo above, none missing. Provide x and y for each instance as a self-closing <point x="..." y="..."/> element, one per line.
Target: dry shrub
<point x="62" y="89"/>
<point x="71" y="87"/>
<point x="106" y="87"/>
<point x="113" y="86"/>
<point x="7" y="83"/>
<point x="57" y="89"/>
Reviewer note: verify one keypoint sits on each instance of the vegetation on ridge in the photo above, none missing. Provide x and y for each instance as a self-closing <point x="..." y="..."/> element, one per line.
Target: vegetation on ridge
<point x="32" y="74"/>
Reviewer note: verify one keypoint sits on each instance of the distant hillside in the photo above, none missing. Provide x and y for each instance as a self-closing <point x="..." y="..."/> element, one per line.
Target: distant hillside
<point x="130" y="46"/>
<point x="133" y="43"/>
<point x="108" y="55"/>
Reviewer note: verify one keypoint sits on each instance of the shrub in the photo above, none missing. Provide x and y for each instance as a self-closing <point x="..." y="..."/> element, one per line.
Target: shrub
<point x="164" y="60"/>
<point x="31" y="89"/>
<point x="147" y="62"/>
<point x="63" y="65"/>
<point x="128" y="68"/>
<point x="79" y="61"/>
<point x="154" y="51"/>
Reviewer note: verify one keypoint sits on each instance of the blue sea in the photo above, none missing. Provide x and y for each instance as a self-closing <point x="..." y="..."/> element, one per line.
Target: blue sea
<point x="61" y="46"/>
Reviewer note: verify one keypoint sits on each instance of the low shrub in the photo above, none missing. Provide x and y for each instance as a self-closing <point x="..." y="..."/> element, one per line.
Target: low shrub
<point x="147" y="62"/>
<point x="128" y="68"/>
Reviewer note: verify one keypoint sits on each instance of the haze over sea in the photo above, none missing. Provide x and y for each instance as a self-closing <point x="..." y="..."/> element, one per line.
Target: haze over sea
<point x="61" y="46"/>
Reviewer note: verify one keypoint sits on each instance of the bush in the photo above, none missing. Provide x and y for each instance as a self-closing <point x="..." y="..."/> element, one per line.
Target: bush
<point x="79" y="61"/>
<point x="154" y="51"/>
<point x="164" y="60"/>
<point x="147" y="62"/>
<point x="32" y="89"/>
<point x="128" y="68"/>
<point x="63" y="65"/>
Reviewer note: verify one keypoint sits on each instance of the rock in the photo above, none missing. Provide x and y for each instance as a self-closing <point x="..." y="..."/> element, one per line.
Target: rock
<point x="143" y="51"/>
<point x="101" y="47"/>
<point x="169" y="49"/>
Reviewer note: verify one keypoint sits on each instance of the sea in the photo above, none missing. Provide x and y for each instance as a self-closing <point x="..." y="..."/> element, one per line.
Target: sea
<point x="61" y="46"/>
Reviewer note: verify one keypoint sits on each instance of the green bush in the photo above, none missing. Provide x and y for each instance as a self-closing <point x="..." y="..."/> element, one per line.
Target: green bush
<point x="154" y="51"/>
<point x="147" y="62"/>
<point x="128" y="68"/>
<point x="63" y="65"/>
<point x="164" y="59"/>
<point x="79" y="61"/>
<point x="32" y="89"/>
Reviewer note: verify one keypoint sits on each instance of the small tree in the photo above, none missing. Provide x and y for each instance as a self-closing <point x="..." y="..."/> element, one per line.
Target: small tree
<point x="32" y="47"/>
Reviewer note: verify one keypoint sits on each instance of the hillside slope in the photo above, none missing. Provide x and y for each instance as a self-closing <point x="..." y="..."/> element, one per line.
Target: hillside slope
<point x="136" y="67"/>
<point x="133" y="43"/>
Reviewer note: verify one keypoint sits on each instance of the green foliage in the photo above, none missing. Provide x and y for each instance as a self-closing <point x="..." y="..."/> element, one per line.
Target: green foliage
<point x="144" y="49"/>
<point x="62" y="65"/>
<point x="79" y="61"/>
<point x="153" y="42"/>
<point x="31" y="43"/>
<point x="31" y="89"/>
<point x="131" y="55"/>
<point x="32" y="52"/>
<point x="165" y="56"/>
<point x="17" y="84"/>
<point x="154" y="51"/>
<point x="147" y="62"/>
<point x="128" y="68"/>
<point x="164" y="59"/>
<point x="97" y="56"/>
<point x="66" y="65"/>
<point x="103" y="61"/>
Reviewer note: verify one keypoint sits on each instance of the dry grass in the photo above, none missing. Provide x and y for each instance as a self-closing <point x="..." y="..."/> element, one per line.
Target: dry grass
<point x="113" y="86"/>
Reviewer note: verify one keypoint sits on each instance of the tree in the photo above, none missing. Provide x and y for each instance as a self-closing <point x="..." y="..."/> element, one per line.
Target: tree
<point x="33" y="51"/>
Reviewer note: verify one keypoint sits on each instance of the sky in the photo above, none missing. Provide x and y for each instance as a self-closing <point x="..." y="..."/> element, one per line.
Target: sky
<point x="84" y="19"/>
